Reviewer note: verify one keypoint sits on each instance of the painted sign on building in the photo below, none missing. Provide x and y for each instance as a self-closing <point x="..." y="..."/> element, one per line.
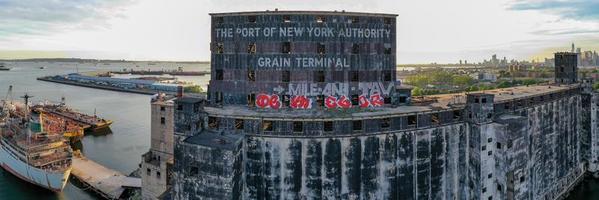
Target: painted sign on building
<point x="313" y="32"/>
<point x="336" y="95"/>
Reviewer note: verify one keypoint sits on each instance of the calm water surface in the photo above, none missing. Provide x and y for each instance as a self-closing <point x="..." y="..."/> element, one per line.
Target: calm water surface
<point x="120" y="150"/>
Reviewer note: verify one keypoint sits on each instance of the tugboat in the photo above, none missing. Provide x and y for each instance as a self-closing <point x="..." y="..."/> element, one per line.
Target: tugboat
<point x="3" y="68"/>
<point x="30" y="153"/>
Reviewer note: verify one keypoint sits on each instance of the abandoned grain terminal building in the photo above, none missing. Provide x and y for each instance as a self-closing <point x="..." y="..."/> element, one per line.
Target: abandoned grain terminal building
<point x="306" y="105"/>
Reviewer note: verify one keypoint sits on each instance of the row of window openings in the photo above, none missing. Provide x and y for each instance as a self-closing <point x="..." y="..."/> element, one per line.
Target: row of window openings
<point x="319" y="76"/>
<point x="318" y="19"/>
<point x="298" y="126"/>
<point x="286" y="48"/>
<point x="149" y="173"/>
<point x="320" y="100"/>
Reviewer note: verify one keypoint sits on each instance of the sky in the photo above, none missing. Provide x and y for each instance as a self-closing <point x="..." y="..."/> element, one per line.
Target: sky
<point x="178" y="30"/>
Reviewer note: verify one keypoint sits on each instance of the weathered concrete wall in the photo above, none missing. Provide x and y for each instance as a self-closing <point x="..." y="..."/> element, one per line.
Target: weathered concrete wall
<point x="418" y="164"/>
<point x="206" y="173"/>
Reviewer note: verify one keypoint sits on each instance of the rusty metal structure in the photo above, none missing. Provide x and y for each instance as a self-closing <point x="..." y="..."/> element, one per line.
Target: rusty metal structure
<point x="306" y="105"/>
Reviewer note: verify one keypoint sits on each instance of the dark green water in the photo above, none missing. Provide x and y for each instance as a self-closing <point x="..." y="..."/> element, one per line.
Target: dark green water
<point x="120" y="150"/>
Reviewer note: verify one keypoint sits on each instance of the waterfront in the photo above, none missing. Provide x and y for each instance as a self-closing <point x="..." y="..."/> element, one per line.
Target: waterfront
<point x="120" y="150"/>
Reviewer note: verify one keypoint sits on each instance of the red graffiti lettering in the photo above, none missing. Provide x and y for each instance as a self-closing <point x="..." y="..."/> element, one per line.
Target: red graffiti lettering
<point x="364" y="102"/>
<point x="344" y="102"/>
<point x="274" y="102"/>
<point x="376" y="100"/>
<point x="300" y="102"/>
<point x="330" y="102"/>
<point x="262" y="100"/>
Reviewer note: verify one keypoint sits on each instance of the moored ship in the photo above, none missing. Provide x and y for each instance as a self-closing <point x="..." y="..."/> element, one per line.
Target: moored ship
<point x="30" y="153"/>
<point x="3" y="68"/>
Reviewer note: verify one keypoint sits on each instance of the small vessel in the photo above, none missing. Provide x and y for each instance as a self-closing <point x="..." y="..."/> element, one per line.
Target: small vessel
<point x="3" y="68"/>
<point x="42" y="67"/>
<point x="30" y="153"/>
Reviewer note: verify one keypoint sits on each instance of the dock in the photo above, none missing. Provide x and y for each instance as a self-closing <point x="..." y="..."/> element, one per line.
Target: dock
<point x="107" y="183"/>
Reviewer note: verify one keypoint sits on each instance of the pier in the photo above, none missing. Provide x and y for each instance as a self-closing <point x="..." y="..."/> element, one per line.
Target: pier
<point x="107" y="183"/>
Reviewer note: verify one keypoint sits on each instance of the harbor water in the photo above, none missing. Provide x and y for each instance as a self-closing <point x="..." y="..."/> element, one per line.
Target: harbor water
<point x="130" y="138"/>
<point x="121" y="150"/>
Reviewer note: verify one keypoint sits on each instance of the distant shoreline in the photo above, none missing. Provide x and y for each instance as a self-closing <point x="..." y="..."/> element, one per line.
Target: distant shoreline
<point x="98" y="60"/>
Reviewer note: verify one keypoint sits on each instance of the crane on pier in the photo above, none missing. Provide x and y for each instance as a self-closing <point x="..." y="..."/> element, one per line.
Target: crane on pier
<point x="4" y="112"/>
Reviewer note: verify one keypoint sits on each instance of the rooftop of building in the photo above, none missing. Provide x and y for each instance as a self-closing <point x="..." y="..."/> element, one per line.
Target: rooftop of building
<point x="431" y="103"/>
<point x="216" y="139"/>
<point x="297" y="12"/>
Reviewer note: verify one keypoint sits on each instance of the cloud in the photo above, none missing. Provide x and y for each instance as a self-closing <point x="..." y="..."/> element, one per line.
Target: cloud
<point x="567" y="9"/>
<point x="33" y="17"/>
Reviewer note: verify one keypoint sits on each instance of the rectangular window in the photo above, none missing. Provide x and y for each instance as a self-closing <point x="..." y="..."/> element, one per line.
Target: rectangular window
<point x="286" y="76"/>
<point x="220" y="48"/>
<point x="267" y="125"/>
<point x="357" y="125"/>
<point x="355" y="100"/>
<point x="213" y="122"/>
<point x="320" y="48"/>
<point x="252" y="48"/>
<point x="354" y="76"/>
<point x="385" y="123"/>
<point x="252" y="19"/>
<point x="355" y="49"/>
<point x="286" y="100"/>
<point x="179" y="107"/>
<point x="320" y="100"/>
<point x="321" y="19"/>
<point x="412" y="120"/>
<point x="435" y="118"/>
<point x="286" y="47"/>
<point x="193" y="171"/>
<point x="286" y="19"/>
<point x="162" y="120"/>
<point x="490" y="176"/>
<point x="403" y="99"/>
<point x="388" y="21"/>
<point x="251" y="75"/>
<point x="148" y="172"/>
<point x="162" y="108"/>
<point x="298" y="126"/>
<point x="219" y="97"/>
<point x="219" y="20"/>
<point x="319" y="76"/>
<point x="457" y="115"/>
<point x="251" y="100"/>
<point x="328" y="126"/>
<point x="498" y="145"/>
<point x="387" y="49"/>
<point x="387" y="76"/>
<point x="219" y="75"/>
<point x="355" y="20"/>
<point x="239" y="124"/>
<point x="158" y="175"/>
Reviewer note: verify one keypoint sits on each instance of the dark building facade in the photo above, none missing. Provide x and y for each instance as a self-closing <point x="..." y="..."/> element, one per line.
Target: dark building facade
<point x="306" y="105"/>
<point x="566" y="67"/>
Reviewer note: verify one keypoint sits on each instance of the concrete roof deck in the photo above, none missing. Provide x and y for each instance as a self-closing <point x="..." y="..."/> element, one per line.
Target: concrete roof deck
<point x="216" y="139"/>
<point x="443" y="102"/>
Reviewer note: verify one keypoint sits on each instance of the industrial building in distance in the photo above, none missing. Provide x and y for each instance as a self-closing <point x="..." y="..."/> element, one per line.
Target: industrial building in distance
<point x="306" y="105"/>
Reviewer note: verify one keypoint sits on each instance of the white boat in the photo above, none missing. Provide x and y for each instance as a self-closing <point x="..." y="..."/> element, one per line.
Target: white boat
<point x="31" y="154"/>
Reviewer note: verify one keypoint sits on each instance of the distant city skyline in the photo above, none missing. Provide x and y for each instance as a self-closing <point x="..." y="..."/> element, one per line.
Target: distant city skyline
<point x="428" y="31"/>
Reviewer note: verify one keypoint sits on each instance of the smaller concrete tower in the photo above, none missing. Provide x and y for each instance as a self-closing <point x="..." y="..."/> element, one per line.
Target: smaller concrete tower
<point x="566" y="67"/>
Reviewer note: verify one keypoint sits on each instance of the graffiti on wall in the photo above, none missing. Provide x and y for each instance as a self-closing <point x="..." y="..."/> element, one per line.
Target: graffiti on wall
<point x="335" y="95"/>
